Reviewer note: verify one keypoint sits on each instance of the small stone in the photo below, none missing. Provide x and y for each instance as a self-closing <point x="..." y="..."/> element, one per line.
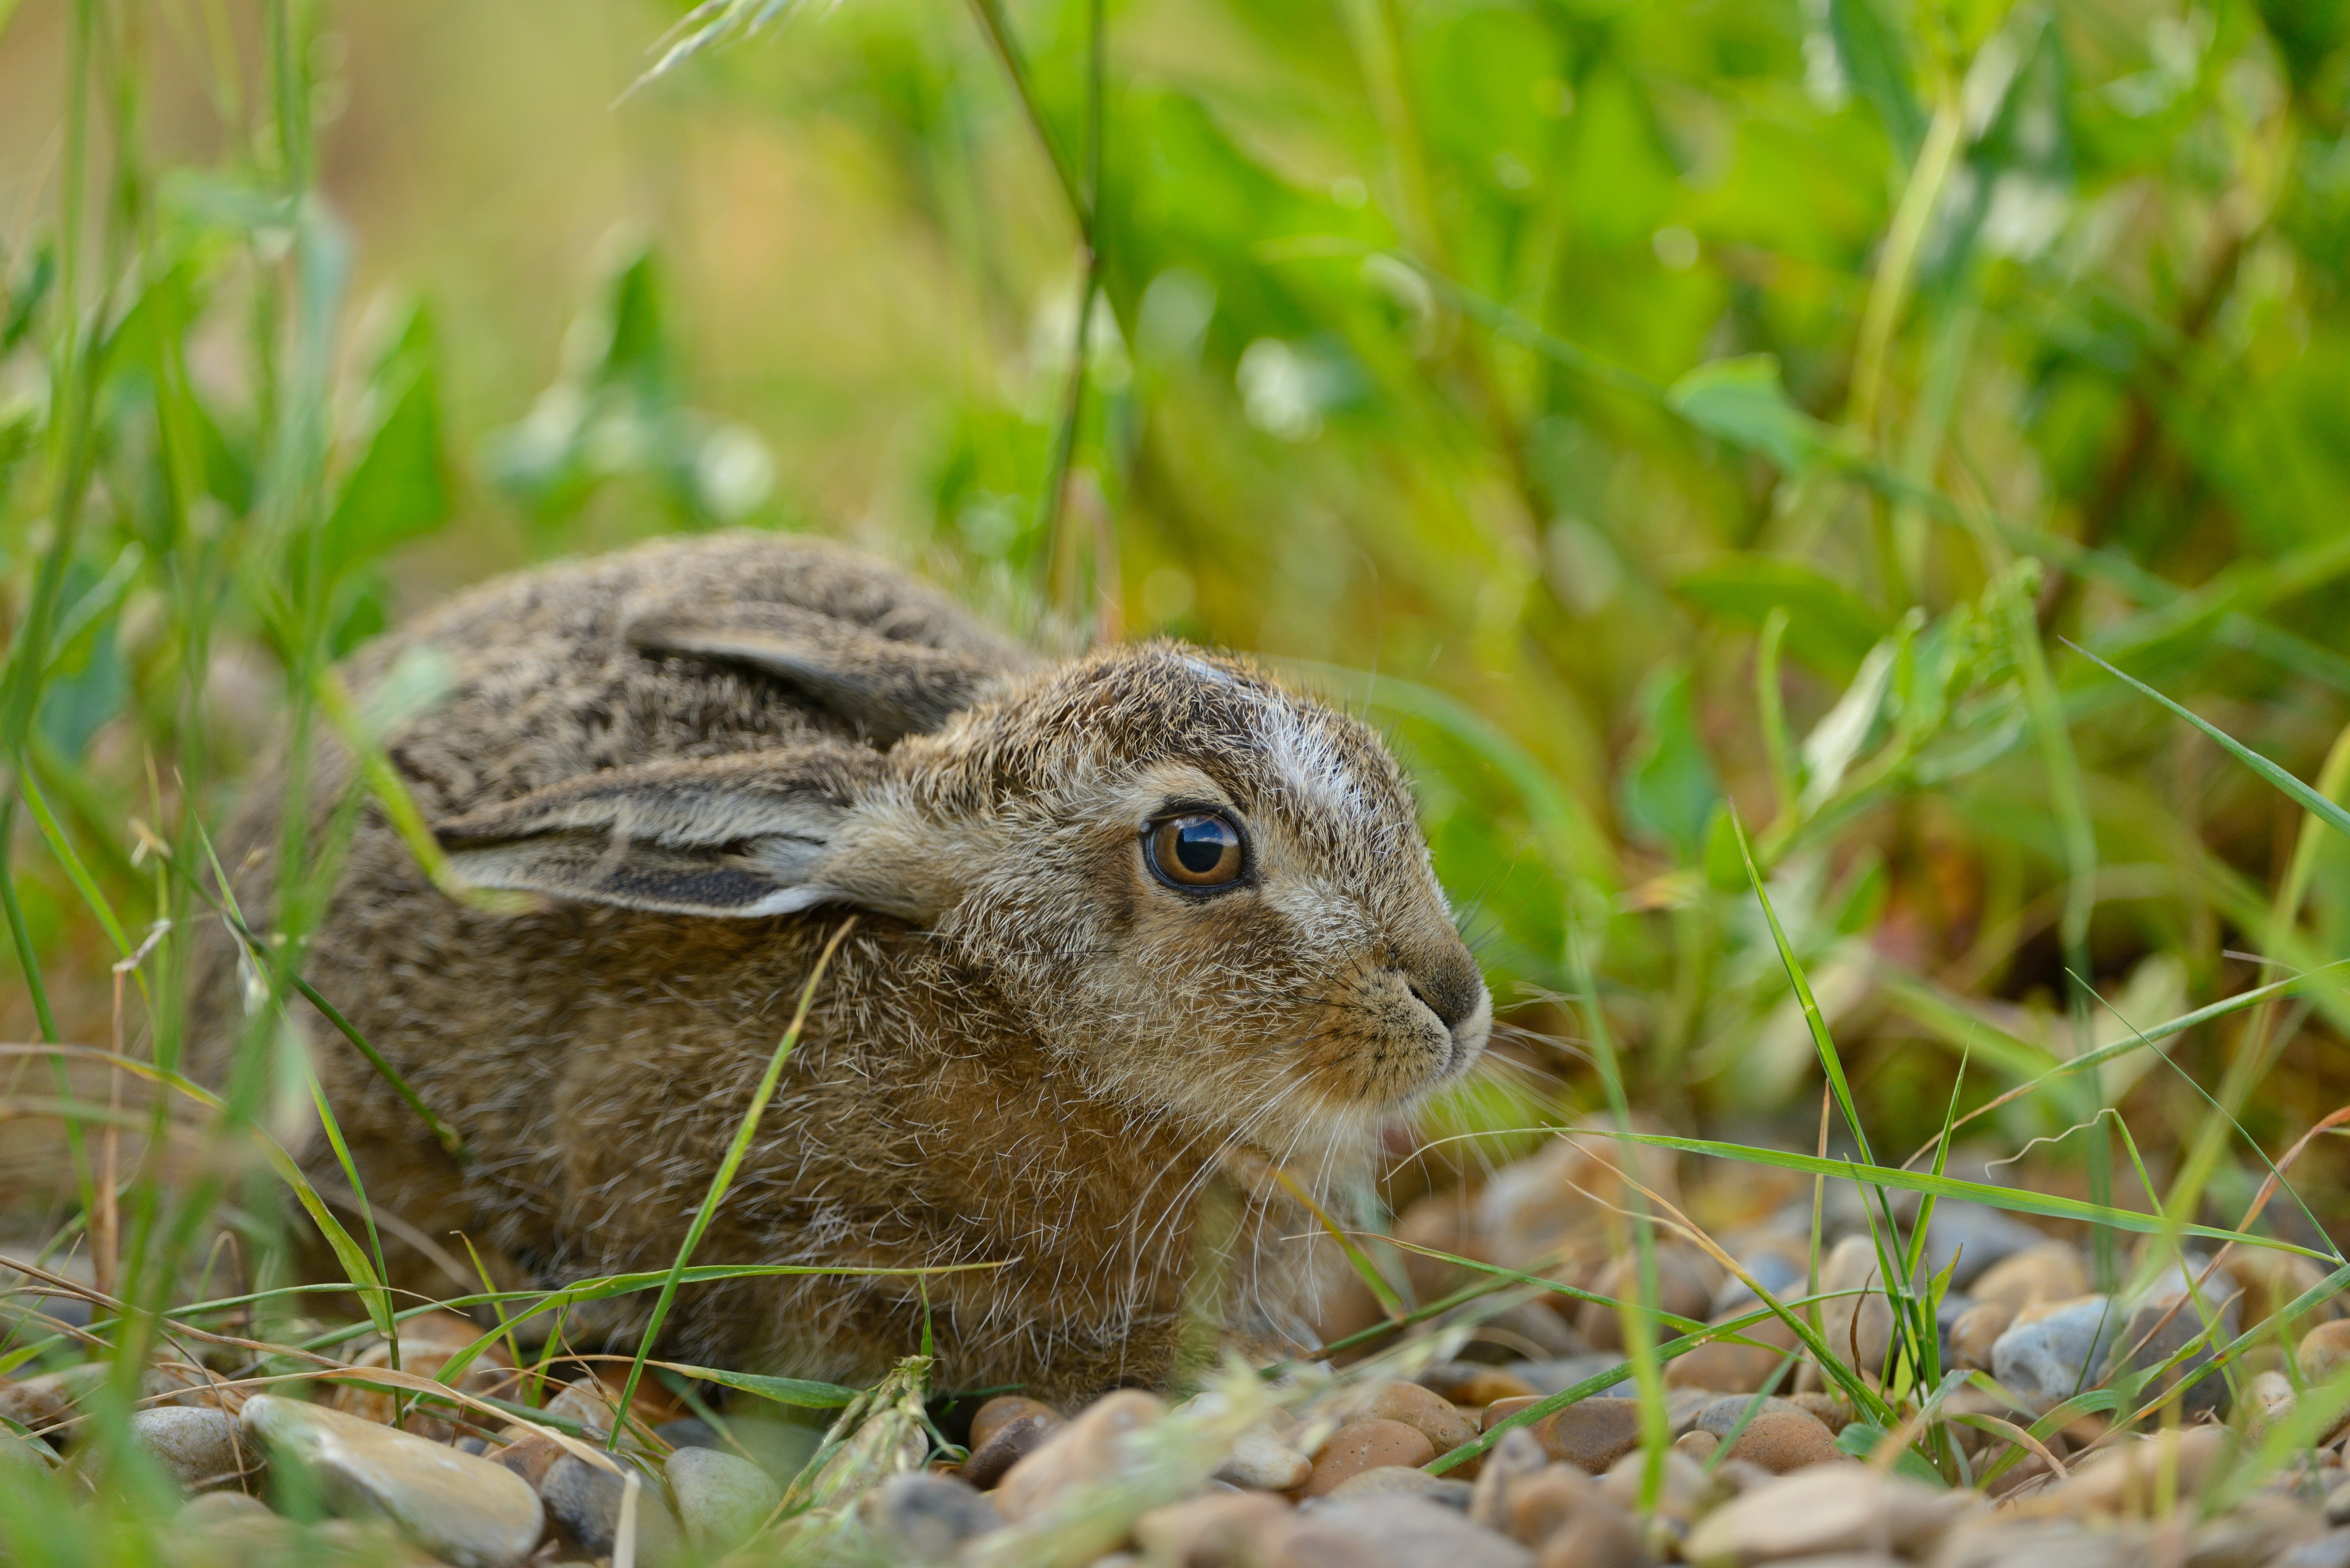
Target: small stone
<point x="528" y="1455"/>
<point x="1217" y="1529"/>
<point x="1382" y="1481"/>
<point x="2273" y="1281"/>
<point x="1006" y="1445"/>
<point x="1600" y="1536"/>
<point x="1262" y="1462"/>
<point x="1686" y="1281"/>
<point x="1977" y="1330"/>
<point x="1976" y="1237"/>
<point x="1728" y="1367"/>
<point x="926" y="1518"/>
<point x="2337" y="1504"/>
<point x="1365" y="1445"/>
<point x="2259" y="1531"/>
<point x="2159" y="1330"/>
<point x="1487" y="1386"/>
<point x="2006" y="1543"/>
<point x="1591" y="1434"/>
<point x="721" y="1497"/>
<point x="693" y="1432"/>
<point x="1697" y="1445"/>
<point x="221" y="1508"/>
<point x="2323" y="1351"/>
<point x="465" y="1511"/>
<point x="1687" y="1492"/>
<point x="1531" y="1330"/>
<point x="1437" y="1420"/>
<point x="1085" y="1450"/>
<point x="583" y="1505"/>
<point x="2051" y="1352"/>
<point x="2331" y="1550"/>
<point x="1833" y="1412"/>
<point x="1540" y="1503"/>
<point x="1858" y="1329"/>
<point x="2270" y="1396"/>
<point x="2124" y="1479"/>
<point x="2050" y="1271"/>
<point x="1782" y="1437"/>
<point x="198" y="1449"/>
<point x="1005" y="1408"/>
<point x="39" y="1403"/>
<point x="1516" y="1456"/>
<point x="427" y="1344"/>
<point x="1559" y="1376"/>
<point x="1839" y="1509"/>
<point x="1395" y="1532"/>
<point x="781" y="1447"/>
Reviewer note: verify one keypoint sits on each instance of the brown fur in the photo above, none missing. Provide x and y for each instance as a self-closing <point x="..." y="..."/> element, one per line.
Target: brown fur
<point x="1029" y="1049"/>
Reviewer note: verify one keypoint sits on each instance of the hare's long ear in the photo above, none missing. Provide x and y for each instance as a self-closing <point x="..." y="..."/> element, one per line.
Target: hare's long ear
<point x="740" y="836"/>
<point x="886" y="687"/>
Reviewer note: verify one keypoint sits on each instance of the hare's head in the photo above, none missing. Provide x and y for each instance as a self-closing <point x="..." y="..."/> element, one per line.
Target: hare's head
<point x="1206" y="894"/>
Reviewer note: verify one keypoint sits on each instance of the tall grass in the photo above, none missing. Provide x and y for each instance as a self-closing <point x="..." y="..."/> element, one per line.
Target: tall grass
<point x="1659" y="418"/>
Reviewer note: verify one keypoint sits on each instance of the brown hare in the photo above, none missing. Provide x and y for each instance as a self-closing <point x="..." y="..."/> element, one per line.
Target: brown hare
<point x="1133" y="931"/>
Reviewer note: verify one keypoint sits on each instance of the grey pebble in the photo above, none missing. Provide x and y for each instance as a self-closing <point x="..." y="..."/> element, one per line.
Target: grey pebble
<point x="2051" y="1353"/>
<point x="2331" y="1550"/>
<point x="1393" y="1531"/>
<point x="721" y="1497"/>
<point x="196" y="1446"/>
<point x="583" y="1504"/>
<point x="1397" y="1480"/>
<point x="925" y="1518"/>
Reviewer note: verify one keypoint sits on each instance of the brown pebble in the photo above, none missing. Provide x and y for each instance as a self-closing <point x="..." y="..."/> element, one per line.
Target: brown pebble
<point x="1591" y="1434"/>
<point x="1833" y="1413"/>
<point x="1501" y="1410"/>
<point x="1697" y="1445"/>
<point x="1438" y="1420"/>
<point x="1733" y="1369"/>
<point x="1977" y="1329"/>
<point x="1538" y="1504"/>
<point x="1002" y="1411"/>
<point x="2051" y="1271"/>
<point x="1483" y="1389"/>
<point x="1360" y="1446"/>
<point x="1010" y="1442"/>
<point x="1072" y="1456"/>
<point x="1782" y="1435"/>
<point x="529" y="1456"/>
<point x="1220" y="1528"/>
<point x="2324" y="1350"/>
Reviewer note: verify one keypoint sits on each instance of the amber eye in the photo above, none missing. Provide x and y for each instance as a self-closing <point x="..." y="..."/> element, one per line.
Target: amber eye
<point x="1197" y="849"/>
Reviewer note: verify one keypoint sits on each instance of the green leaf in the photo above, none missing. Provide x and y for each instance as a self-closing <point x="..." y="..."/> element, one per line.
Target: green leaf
<point x="1829" y="626"/>
<point x="398" y="490"/>
<point x="1741" y="401"/>
<point x="795" y="1391"/>
<point x="1668" y="787"/>
<point x="1876" y="62"/>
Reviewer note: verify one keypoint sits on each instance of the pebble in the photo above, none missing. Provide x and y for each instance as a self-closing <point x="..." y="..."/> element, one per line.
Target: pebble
<point x="1220" y="1528"/>
<point x="2258" y="1531"/>
<point x="1842" y="1509"/>
<point x="583" y="1506"/>
<point x="221" y="1508"/>
<point x="1782" y="1437"/>
<point x="2050" y="1271"/>
<point x="1591" y="1434"/>
<point x="1831" y="1409"/>
<point x="1386" y="1480"/>
<point x="1686" y="1281"/>
<point x="1977" y="1237"/>
<point x="1517" y="1455"/>
<point x="2124" y="1479"/>
<point x="1485" y="1385"/>
<point x="1728" y="1367"/>
<point x="1437" y="1420"/>
<point x="1395" y="1532"/>
<point x="198" y="1449"/>
<point x="1262" y="1462"/>
<point x="1687" y="1492"/>
<point x="426" y="1344"/>
<point x="2337" y="1504"/>
<point x="1006" y="1445"/>
<point x="1776" y="1262"/>
<point x="1085" y="1450"/>
<point x="2272" y="1281"/>
<point x="693" y="1432"/>
<point x="2049" y="1353"/>
<point x="2005" y="1543"/>
<point x="2324" y="1350"/>
<point x="465" y="1511"/>
<point x="1976" y="1331"/>
<point x="1697" y="1445"/>
<point x="1366" y="1445"/>
<point x="721" y="1497"/>
<point x="2159" y="1330"/>
<point x="39" y="1403"/>
<point x="528" y="1455"/>
<point x="1533" y="1330"/>
<point x="2331" y="1550"/>
<point x="925" y="1518"/>
<point x="1005" y="1408"/>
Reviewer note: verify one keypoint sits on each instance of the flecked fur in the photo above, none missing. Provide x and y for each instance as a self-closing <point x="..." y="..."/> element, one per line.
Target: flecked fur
<point x="1029" y="1051"/>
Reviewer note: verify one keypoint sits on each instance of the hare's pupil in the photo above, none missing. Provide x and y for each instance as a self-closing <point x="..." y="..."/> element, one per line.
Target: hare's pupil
<point x="1202" y="843"/>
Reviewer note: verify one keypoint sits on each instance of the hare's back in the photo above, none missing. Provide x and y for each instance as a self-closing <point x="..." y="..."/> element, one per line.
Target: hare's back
<point x="549" y="680"/>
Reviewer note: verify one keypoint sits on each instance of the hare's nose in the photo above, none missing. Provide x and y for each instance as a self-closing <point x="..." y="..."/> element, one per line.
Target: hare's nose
<point x="1453" y="990"/>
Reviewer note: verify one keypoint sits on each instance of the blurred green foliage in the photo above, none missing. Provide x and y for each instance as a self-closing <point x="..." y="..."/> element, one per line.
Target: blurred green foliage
<point x="1644" y="411"/>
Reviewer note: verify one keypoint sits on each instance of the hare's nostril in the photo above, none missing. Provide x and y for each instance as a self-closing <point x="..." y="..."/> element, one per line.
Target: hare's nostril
<point x="1452" y="998"/>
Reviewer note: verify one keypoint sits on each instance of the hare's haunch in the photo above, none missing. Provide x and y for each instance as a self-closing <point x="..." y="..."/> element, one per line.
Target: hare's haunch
<point x="1135" y="928"/>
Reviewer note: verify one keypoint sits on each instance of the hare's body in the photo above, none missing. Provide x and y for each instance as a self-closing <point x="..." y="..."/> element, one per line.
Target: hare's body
<point x="711" y="755"/>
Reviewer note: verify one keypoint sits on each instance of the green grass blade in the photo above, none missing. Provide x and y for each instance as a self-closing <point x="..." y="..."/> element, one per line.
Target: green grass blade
<point x="2300" y="793"/>
<point x="724" y="1180"/>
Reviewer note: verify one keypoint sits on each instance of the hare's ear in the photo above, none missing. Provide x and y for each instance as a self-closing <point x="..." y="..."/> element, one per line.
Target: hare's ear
<point x="740" y="836"/>
<point x="886" y="687"/>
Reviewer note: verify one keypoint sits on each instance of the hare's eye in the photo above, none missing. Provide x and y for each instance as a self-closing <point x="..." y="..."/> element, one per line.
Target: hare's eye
<point x="1196" y="849"/>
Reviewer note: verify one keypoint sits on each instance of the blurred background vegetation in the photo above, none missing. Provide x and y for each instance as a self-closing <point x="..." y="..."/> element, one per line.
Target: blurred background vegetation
<point x="1636" y="409"/>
